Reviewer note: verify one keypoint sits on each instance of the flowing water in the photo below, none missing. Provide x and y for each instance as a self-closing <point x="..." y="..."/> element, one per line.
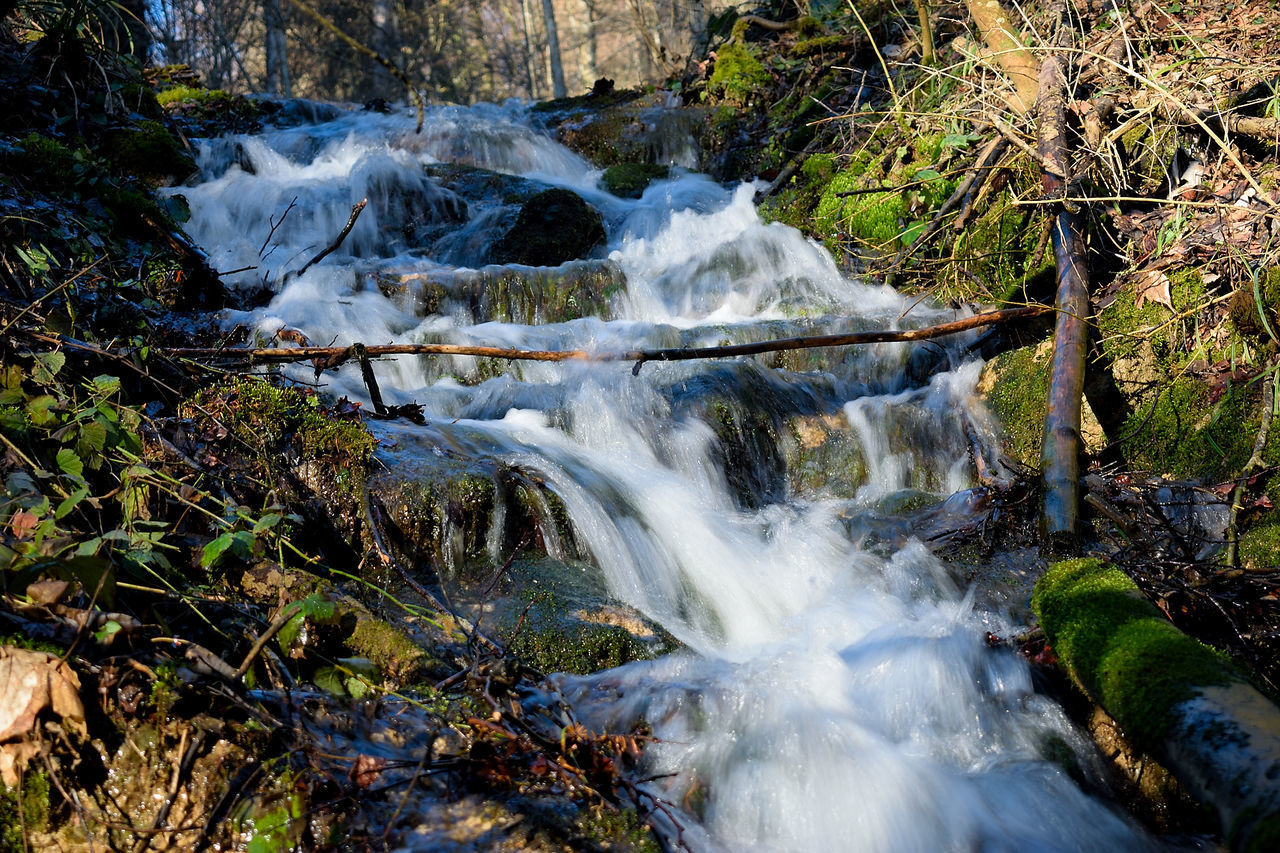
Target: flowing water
<point x="831" y="695"/>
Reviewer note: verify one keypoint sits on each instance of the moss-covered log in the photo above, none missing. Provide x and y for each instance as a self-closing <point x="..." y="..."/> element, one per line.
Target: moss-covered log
<point x="1176" y="698"/>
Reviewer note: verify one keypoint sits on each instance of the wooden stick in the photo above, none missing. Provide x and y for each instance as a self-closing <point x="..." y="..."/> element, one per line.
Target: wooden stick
<point x="1060" y="447"/>
<point x="335" y="356"/>
<point x="356" y="210"/>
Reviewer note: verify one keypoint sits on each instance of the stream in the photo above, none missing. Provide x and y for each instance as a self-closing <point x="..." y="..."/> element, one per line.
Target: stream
<point x="835" y="689"/>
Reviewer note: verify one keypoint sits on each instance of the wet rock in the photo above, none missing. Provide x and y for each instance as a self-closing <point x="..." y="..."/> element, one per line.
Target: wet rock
<point x="629" y="180"/>
<point x="553" y="227"/>
<point x="509" y="294"/>
<point x="626" y="127"/>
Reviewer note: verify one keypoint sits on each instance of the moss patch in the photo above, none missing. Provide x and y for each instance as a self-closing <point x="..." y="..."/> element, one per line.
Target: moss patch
<point x="148" y="151"/>
<point x="391" y="651"/>
<point x="1121" y="649"/>
<point x="580" y="648"/>
<point x="1184" y="432"/>
<point x="1017" y="391"/>
<point x="1260" y="544"/>
<point x="739" y="77"/>
<point x="629" y="180"/>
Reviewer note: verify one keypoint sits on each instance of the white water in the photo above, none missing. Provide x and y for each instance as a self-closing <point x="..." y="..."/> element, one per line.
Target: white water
<point x="831" y="698"/>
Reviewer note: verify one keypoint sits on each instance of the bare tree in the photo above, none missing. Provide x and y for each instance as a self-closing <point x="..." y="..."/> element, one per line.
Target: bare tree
<point x="553" y="49"/>
<point x="277" y="52"/>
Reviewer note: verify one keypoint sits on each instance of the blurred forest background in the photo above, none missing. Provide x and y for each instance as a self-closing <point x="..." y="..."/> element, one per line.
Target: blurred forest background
<point x="459" y="51"/>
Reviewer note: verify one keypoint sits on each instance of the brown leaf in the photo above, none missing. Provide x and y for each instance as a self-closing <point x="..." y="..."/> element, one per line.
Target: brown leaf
<point x="367" y="769"/>
<point x="48" y="591"/>
<point x="32" y="681"/>
<point x="1151" y="286"/>
<point x="23" y="523"/>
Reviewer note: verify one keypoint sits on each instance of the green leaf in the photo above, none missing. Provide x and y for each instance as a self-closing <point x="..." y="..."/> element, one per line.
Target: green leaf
<point x="106" y="385"/>
<point x="47" y="366"/>
<point x="331" y="680"/>
<point x="40" y="410"/>
<point x="266" y="523"/>
<point x="70" y="463"/>
<point x="927" y="175"/>
<point x="70" y="502"/>
<point x="110" y="629"/>
<point x="239" y="543"/>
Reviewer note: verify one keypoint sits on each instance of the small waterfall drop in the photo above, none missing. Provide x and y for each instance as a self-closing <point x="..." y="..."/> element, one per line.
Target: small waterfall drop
<point x="830" y="696"/>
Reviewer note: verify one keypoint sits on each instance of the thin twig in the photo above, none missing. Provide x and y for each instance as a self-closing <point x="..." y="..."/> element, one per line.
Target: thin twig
<point x="337" y="355"/>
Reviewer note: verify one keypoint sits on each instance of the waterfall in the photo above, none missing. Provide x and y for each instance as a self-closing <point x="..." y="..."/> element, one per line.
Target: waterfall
<point x="830" y="695"/>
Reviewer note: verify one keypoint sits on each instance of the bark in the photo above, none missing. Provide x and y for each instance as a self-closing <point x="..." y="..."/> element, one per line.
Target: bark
<point x="386" y="43"/>
<point x="553" y="50"/>
<point x="1060" y="448"/>
<point x="338" y="355"/>
<point x="527" y="29"/>
<point x="277" y="56"/>
<point x="1001" y="37"/>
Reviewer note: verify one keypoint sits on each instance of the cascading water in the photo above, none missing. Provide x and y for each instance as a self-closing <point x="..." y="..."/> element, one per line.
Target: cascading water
<point x="831" y="696"/>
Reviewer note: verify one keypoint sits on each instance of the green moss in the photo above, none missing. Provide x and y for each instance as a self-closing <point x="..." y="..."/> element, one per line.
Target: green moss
<point x="1264" y="834"/>
<point x="49" y="162"/>
<point x="1018" y="397"/>
<point x="1125" y="328"/>
<point x="622" y="830"/>
<point x="629" y="180"/>
<point x="1182" y="431"/>
<point x="1260" y="543"/>
<point x="23" y="811"/>
<point x="147" y="151"/>
<point x="391" y="651"/>
<point x="581" y="649"/>
<point x="1121" y="649"/>
<point x="179" y="94"/>
<point x="739" y="77"/>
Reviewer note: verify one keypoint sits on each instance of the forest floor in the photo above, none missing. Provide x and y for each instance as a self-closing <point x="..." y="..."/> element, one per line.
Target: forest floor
<point x="151" y="559"/>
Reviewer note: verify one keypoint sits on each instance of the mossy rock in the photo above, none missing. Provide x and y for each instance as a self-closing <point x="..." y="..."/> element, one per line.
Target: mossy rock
<point x="1260" y="543"/>
<point x="1183" y="431"/>
<point x="1132" y="331"/>
<point x="739" y="78"/>
<point x="1243" y="310"/>
<point x="1121" y="648"/>
<point x="629" y="180"/>
<point x="1015" y="385"/>
<point x="147" y="151"/>
<point x="553" y="227"/>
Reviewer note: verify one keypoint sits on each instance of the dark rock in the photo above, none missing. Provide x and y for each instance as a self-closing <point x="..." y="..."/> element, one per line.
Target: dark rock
<point x="553" y="227"/>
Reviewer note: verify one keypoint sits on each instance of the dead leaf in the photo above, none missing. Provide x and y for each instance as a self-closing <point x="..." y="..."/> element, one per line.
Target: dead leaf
<point x="1151" y="286"/>
<point x="23" y="523"/>
<point x="367" y="769"/>
<point x="30" y="682"/>
<point x="47" y="591"/>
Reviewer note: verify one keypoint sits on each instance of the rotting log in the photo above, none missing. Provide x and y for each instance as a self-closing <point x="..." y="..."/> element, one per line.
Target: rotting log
<point x="335" y="356"/>
<point x="1175" y="698"/>
<point x="1060" y="447"/>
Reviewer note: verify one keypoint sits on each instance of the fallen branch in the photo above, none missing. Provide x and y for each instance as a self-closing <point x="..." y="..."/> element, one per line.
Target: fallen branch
<point x="356" y="210"/>
<point x="1060" y="447"/>
<point x="335" y="356"/>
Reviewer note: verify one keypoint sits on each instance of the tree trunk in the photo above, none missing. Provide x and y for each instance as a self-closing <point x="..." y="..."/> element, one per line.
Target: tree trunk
<point x="553" y="50"/>
<point x="277" y="55"/>
<point x="386" y="42"/>
<point x="527" y="20"/>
